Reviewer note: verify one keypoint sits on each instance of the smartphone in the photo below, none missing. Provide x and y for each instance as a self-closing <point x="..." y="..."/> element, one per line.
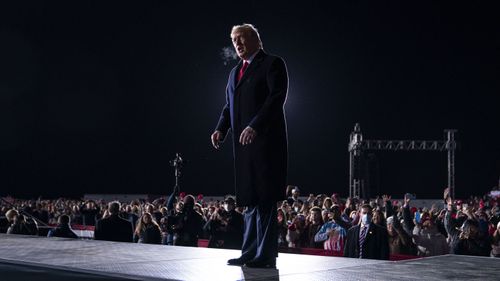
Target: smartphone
<point x="417" y="216"/>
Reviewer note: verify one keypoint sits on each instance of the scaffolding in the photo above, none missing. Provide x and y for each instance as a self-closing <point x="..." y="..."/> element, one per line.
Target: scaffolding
<point x="358" y="146"/>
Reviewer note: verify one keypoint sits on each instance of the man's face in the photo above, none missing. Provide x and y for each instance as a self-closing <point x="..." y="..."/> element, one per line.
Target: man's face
<point x="316" y="216"/>
<point x="229" y="206"/>
<point x="366" y="211"/>
<point x="150" y="209"/>
<point x="390" y="229"/>
<point x="244" y="43"/>
<point x="326" y="215"/>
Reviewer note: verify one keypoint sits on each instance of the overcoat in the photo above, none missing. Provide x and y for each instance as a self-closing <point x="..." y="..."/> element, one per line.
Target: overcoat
<point x="257" y="100"/>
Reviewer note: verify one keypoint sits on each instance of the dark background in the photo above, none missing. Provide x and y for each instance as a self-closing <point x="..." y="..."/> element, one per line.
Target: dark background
<point x="96" y="97"/>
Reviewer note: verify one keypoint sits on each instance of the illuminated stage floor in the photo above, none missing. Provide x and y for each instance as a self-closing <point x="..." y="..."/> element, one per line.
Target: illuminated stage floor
<point x="38" y="258"/>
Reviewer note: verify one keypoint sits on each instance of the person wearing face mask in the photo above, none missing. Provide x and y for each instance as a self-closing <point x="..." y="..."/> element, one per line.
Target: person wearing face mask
<point x="189" y="227"/>
<point x="367" y="240"/>
<point x="233" y="225"/>
<point x="225" y="226"/>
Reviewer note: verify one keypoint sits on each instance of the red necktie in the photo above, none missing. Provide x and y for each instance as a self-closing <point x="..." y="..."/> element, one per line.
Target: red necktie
<point x="242" y="70"/>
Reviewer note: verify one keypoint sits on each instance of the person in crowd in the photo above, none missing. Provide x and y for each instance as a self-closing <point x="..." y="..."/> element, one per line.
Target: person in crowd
<point x="147" y="230"/>
<point x="90" y="213"/>
<point x="495" y="242"/>
<point x="288" y="194"/>
<point x="297" y="206"/>
<point x="171" y="222"/>
<point x="40" y="212"/>
<point x="494" y="215"/>
<point x="189" y="224"/>
<point x="19" y="224"/>
<point x="399" y="240"/>
<point x="314" y="224"/>
<point x="350" y="213"/>
<point x="327" y="203"/>
<point x="332" y="234"/>
<point x="226" y="226"/>
<point x="214" y="227"/>
<point x="76" y="215"/>
<point x="439" y="222"/>
<point x="427" y="237"/>
<point x="282" y="226"/>
<point x="63" y="228"/>
<point x="295" y="193"/>
<point x="379" y="218"/>
<point x="465" y="240"/>
<point x="326" y="215"/>
<point x="114" y="228"/>
<point x="296" y="234"/>
<point x="131" y="214"/>
<point x="156" y="215"/>
<point x="367" y="240"/>
<point x="336" y="216"/>
<point x="425" y="234"/>
<point x="164" y="227"/>
<point x="305" y="208"/>
<point x="233" y="225"/>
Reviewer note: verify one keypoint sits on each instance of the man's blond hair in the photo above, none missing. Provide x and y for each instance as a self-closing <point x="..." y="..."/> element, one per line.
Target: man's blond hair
<point x="247" y="27"/>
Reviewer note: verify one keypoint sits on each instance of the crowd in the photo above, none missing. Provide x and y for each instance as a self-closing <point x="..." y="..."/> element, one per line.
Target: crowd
<point x="353" y="227"/>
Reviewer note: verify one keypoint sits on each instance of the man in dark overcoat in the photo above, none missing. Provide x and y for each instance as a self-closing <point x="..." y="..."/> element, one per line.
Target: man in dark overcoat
<point x="255" y="97"/>
<point x="114" y="228"/>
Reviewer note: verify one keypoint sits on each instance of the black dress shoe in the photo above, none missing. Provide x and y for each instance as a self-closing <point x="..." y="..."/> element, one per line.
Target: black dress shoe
<point x="238" y="261"/>
<point x="261" y="263"/>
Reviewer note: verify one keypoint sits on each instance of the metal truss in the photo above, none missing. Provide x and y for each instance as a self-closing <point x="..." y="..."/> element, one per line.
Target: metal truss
<point x="357" y="147"/>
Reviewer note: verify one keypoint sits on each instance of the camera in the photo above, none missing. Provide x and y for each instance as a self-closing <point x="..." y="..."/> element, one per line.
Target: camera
<point x="178" y="162"/>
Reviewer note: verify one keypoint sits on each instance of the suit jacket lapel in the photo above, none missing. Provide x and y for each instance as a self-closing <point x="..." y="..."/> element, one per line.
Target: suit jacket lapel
<point x="254" y="65"/>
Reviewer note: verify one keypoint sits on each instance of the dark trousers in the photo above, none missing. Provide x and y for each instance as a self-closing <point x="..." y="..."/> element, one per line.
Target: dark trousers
<point x="260" y="237"/>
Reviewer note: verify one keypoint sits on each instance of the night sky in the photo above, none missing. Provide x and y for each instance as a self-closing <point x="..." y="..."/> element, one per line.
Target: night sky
<point x="97" y="97"/>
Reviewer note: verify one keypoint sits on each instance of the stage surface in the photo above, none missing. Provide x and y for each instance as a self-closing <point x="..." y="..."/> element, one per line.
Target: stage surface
<point x="30" y="258"/>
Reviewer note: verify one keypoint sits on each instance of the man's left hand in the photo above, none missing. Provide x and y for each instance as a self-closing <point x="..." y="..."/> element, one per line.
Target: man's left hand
<point x="247" y="136"/>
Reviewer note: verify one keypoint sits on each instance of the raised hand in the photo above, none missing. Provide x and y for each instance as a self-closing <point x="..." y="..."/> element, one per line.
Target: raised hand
<point x="433" y="209"/>
<point x="406" y="200"/>
<point x="348" y="202"/>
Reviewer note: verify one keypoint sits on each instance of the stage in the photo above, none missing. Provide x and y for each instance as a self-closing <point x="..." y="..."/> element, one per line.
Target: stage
<point x="30" y="258"/>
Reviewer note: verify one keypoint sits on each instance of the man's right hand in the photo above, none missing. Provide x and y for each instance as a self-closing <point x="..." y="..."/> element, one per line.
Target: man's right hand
<point x="217" y="138"/>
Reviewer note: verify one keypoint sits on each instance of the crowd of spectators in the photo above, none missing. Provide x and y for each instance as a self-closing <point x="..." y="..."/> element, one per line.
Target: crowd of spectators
<point x="353" y="227"/>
